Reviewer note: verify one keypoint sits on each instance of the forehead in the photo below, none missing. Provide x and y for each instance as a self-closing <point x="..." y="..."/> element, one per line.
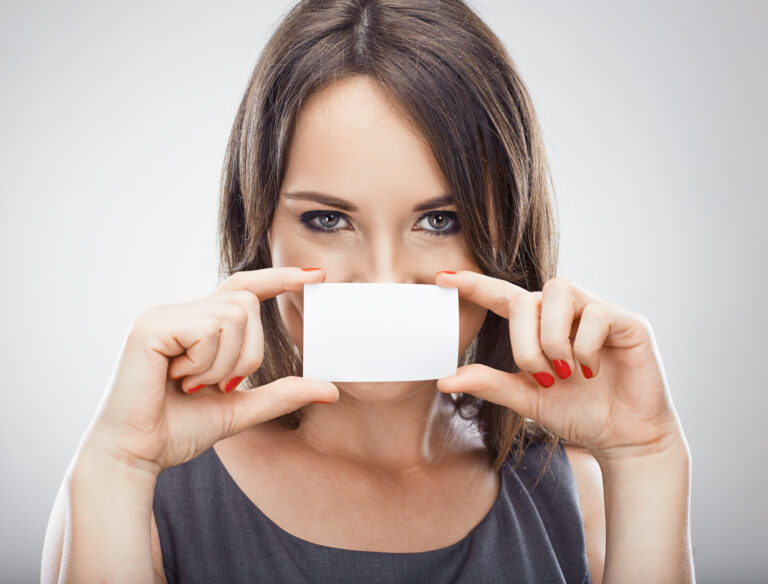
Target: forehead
<point x="351" y="140"/>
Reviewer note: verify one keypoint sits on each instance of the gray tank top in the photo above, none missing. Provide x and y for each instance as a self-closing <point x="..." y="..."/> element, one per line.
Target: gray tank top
<point x="210" y="531"/>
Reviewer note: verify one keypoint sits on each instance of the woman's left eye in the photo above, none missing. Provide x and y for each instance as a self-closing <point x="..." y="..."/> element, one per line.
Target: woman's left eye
<point x="435" y="222"/>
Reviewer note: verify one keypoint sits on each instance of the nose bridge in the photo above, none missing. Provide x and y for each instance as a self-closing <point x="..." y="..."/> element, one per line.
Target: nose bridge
<point x="384" y="259"/>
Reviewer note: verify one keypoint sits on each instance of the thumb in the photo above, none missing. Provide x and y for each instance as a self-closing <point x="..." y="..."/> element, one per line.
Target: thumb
<point x="246" y="408"/>
<point x="512" y="390"/>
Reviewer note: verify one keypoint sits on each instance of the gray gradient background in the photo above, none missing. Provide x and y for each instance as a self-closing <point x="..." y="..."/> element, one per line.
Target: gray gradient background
<point x="113" y="123"/>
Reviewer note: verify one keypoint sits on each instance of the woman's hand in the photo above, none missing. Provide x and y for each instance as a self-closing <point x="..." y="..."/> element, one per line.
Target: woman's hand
<point x="146" y="417"/>
<point x="616" y="404"/>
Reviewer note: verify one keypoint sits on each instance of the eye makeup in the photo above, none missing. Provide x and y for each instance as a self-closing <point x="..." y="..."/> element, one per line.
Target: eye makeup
<point x="307" y="219"/>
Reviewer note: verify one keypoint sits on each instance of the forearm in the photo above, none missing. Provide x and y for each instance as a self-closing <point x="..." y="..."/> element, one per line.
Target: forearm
<point x="647" y="506"/>
<point x="109" y="507"/>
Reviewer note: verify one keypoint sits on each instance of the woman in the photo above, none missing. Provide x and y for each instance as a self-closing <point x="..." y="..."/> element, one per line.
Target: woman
<point x="394" y="142"/>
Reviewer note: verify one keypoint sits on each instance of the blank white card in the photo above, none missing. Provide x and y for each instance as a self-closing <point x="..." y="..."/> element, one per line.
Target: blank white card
<point x="380" y="331"/>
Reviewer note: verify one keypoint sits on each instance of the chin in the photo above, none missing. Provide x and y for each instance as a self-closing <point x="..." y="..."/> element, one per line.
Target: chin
<point x="381" y="391"/>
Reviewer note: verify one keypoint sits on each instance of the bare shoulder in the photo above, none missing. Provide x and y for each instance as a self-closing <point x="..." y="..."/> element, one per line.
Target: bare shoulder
<point x="589" y="483"/>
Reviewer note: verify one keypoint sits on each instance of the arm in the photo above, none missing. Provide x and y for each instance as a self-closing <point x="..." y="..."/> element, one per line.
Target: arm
<point x="100" y="524"/>
<point x="647" y="501"/>
<point x="589" y="483"/>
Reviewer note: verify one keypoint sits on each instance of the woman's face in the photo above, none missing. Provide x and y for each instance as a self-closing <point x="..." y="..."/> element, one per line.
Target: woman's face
<point x="348" y="143"/>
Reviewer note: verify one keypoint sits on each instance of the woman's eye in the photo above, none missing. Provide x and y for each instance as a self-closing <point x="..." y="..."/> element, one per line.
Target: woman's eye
<point x="321" y="221"/>
<point x="436" y="222"/>
<point x="433" y="223"/>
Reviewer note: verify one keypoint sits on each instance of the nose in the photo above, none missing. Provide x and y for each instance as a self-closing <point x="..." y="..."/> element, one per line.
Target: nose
<point x="384" y="259"/>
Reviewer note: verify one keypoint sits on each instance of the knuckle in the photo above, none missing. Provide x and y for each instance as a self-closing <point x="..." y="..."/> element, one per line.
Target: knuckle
<point x="523" y="302"/>
<point x="555" y="347"/>
<point x="209" y="326"/>
<point x="526" y="359"/>
<point x="252" y="363"/>
<point x="247" y="298"/>
<point x="582" y="351"/>
<point x="644" y="322"/>
<point x="595" y="311"/>
<point x="556" y="285"/>
<point x="237" y="314"/>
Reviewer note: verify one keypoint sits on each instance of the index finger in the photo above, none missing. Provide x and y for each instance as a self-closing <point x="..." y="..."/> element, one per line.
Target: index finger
<point x="486" y="291"/>
<point x="268" y="282"/>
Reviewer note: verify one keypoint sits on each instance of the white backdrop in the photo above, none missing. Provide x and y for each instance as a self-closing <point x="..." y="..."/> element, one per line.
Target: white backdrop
<point x="113" y="123"/>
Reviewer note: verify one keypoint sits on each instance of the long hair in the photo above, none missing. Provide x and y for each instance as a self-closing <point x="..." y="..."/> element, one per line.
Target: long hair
<point x="453" y="76"/>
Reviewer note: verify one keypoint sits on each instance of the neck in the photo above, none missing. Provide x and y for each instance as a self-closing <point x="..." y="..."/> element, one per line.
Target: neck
<point x="409" y="434"/>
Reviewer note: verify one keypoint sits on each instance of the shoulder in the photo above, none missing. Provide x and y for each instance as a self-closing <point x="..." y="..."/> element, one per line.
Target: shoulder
<point x="589" y="483"/>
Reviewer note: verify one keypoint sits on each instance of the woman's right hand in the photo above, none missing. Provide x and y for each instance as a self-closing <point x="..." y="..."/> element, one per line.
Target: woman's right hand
<point x="146" y="417"/>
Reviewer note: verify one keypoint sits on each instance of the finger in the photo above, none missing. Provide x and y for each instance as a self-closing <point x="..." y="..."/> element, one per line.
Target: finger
<point x="513" y="390"/>
<point x="524" y="338"/>
<point x="197" y="336"/>
<point x="560" y="303"/>
<point x="486" y="291"/>
<point x="605" y="324"/>
<point x="593" y="330"/>
<point x="252" y="350"/>
<point x="268" y="282"/>
<point x="247" y="408"/>
<point x="232" y="319"/>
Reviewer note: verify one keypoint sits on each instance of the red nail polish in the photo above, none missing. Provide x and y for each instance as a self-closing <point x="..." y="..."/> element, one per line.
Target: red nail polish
<point x="586" y="371"/>
<point x="232" y="384"/>
<point x="561" y="368"/>
<point x="320" y="402"/>
<point x="445" y="272"/>
<point x="544" y="378"/>
<point x="193" y="389"/>
<point x="309" y="269"/>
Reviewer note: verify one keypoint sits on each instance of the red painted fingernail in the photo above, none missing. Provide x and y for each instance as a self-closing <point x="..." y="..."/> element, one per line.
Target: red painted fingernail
<point x="232" y="384"/>
<point x="309" y="269"/>
<point x="445" y="272"/>
<point x="586" y="371"/>
<point x="561" y="368"/>
<point x="201" y="386"/>
<point x="320" y="402"/>
<point x="544" y="378"/>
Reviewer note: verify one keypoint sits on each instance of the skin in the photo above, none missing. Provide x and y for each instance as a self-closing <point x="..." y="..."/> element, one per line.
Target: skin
<point x="347" y="141"/>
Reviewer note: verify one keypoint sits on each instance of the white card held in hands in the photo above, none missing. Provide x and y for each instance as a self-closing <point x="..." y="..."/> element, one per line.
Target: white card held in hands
<point x="380" y="331"/>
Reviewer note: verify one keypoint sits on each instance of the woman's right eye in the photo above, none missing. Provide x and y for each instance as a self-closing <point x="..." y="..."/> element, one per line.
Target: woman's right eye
<point x="326" y="224"/>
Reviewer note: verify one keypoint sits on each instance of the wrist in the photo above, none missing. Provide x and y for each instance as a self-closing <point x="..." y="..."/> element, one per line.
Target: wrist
<point x="97" y="452"/>
<point x="667" y="454"/>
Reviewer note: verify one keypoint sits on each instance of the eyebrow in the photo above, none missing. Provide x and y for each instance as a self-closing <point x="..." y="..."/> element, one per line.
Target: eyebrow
<point x="344" y="205"/>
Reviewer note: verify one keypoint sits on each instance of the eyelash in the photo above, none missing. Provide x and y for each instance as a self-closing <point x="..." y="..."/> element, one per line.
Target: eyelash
<point x="306" y="219"/>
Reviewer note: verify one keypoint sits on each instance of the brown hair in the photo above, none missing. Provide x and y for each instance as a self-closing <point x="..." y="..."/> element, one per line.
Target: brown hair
<point x="453" y="76"/>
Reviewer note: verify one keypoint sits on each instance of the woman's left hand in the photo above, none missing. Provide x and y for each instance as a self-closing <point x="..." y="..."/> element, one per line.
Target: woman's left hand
<point x="624" y="409"/>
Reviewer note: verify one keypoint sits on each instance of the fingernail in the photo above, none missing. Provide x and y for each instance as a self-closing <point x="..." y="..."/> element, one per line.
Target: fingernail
<point x="201" y="386"/>
<point x="445" y="272"/>
<point x="544" y="378"/>
<point x="176" y="378"/>
<point x="561" y="368"/>
<point x="320" y="402"/>
<point x="309" y="269"/>
<point x="232" y="384"/>
<point x="586" y="371"/>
